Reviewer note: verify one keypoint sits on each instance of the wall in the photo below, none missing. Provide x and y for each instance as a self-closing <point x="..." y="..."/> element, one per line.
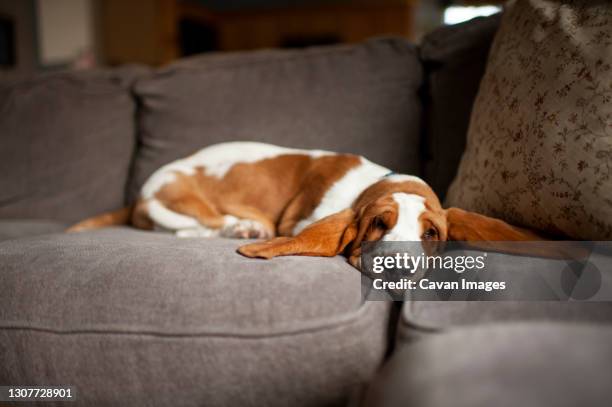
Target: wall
<point x="65" y="30"/>
<point x="53" y="34"/>
<point x="22" y="13"/>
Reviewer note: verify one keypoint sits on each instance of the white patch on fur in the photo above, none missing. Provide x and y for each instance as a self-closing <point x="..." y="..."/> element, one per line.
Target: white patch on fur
<point x="200" y="231"/>
<point x="204" y="231"/>
<point x="344" y="192"/>
<point x="408" y="227"/>
<point x="404" y="178"/>
<point x="229" y="220"/>
<point x="217" y="160"/>
<point x="168" y="219"/>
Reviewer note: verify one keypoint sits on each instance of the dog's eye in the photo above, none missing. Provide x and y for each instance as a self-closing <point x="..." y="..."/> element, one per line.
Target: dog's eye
<point x="379" y="223"/>
<point x="430" y="234"/>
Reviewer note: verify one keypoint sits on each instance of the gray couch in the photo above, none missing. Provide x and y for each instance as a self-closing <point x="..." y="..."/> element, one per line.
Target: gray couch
<point x="133" y="318"/>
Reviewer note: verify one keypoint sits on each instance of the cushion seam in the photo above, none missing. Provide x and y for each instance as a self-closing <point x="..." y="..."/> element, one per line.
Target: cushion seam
<point x="345" y="319"/>
<point x="411" y="320"/>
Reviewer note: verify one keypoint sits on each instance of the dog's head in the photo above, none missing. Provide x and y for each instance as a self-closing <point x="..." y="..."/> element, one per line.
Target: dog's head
<point x="397" y="208"/>
<point x="405" y="208"/>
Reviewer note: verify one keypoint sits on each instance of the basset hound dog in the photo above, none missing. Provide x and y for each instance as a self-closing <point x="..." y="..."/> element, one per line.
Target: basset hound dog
<point x="302" y="202"/>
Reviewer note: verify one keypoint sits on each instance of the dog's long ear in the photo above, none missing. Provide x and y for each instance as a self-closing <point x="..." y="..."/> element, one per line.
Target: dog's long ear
<point x="374" y="219"/>
<point x="493" y="234"/>
<point x="327" y="237"/>
<point x="470" y="226"/>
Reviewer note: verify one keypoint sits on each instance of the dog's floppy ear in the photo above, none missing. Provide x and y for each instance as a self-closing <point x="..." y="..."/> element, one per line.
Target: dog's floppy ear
<point x="493" y="234"/>
<point x="372" y="222"/>
<point x="327" y="237"/>
<point x="469" y="226"/>
<point x="375" y="219"/>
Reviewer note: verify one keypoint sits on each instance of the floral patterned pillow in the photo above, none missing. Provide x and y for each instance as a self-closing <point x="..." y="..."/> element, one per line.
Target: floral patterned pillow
<point x="539" y="148"/>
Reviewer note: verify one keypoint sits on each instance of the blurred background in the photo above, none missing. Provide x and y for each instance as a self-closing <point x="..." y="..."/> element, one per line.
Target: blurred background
<point x="38" y="35"/>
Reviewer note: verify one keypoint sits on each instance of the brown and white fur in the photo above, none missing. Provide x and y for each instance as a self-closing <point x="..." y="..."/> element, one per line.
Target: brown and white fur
<point x="304" y="202"/>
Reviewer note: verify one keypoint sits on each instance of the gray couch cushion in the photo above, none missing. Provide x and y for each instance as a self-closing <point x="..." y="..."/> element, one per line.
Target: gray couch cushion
<point x="351" y="98"/>
<point x="523" y="364"/>
<point x="165" y="321"/>
<point x="16" y="228"/>
<point x="67" y="142"/>
<point x="530" y="277"/>
<point x="454" y="58"/>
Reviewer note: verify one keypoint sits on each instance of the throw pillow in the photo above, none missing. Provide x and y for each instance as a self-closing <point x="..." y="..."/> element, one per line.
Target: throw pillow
<point x="539" y="149"/>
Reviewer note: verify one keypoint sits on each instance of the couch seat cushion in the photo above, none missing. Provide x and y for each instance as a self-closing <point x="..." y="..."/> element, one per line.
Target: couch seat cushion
<point x="162" y="320"/>
<point x="520" y="364"/>
<point x="537" y="280"/>
<point x="16" y="228"/>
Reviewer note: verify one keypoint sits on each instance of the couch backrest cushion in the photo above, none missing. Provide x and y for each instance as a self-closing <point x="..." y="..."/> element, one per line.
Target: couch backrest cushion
<point x="454" y="59"/>
<point x="353" y="98"/>
<point x="66" y="141"/>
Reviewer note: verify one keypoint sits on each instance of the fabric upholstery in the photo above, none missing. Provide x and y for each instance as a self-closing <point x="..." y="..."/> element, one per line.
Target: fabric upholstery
<point x="67" y="143"/>
<point x="520" y="364"/>
<point x="16" y="228"/>
<point x="140" y="318"/>
<point x="539" y="150"/>
<point x="537" y="280"/>
<point x="454" y="59"/>
<point x="352" y="98"/>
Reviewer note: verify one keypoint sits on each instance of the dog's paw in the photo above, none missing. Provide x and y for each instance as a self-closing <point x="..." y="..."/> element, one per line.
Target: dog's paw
<point x="246" y="229"/>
